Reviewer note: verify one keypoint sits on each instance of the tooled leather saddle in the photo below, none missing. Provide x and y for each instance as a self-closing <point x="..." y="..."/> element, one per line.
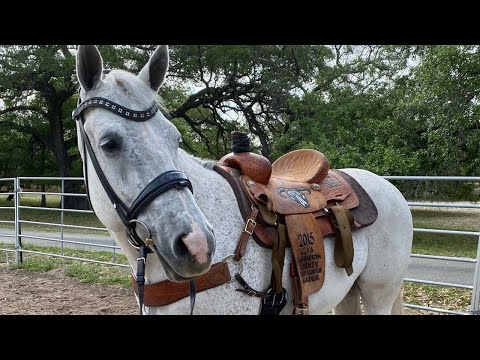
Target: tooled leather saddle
<point x="296" y="202"/>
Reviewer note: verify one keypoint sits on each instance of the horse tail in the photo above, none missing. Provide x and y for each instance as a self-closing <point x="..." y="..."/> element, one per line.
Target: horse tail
<point x="350" y="305"/>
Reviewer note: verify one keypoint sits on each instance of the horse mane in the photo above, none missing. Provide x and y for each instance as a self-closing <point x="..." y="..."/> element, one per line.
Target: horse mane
<point x="206" y="163"/>
<point x="132" y="84"/>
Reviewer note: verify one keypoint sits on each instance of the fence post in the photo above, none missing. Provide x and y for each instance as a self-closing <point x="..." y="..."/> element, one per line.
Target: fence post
<point x="475" y="305"/>
<point x="18" y="228"/>
<point x="62" y="212"/>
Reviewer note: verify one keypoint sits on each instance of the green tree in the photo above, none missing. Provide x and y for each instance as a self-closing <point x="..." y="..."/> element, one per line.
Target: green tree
<point x="441" y="107"/>
<point x="35" y="83"/>
<point x="37" y="89"/>
<point x="350" y="114"/>
<point x="389" y="109"/>
<point x="245" y="88"/>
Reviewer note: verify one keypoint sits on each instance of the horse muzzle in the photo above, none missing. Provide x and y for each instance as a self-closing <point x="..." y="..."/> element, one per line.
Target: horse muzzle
<point x="188" y="255"/>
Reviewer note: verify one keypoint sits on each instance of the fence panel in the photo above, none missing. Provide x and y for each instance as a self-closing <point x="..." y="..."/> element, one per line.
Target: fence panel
<point x="8" y="214"/>
<point x="16" y="230"/>
<point x="475" y="287"/>
<point x="37" y="196"/>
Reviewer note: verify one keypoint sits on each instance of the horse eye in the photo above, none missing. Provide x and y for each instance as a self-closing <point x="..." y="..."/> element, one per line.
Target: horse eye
<point x="109" y="145"/>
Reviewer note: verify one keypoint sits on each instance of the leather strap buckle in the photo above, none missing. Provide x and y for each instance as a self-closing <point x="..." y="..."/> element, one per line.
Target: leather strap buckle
<point x="250" y="221"/>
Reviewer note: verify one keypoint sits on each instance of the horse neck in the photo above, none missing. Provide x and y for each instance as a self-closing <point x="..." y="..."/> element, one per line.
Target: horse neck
<point x="216" y="199"/>
<point x="206" y="182"/>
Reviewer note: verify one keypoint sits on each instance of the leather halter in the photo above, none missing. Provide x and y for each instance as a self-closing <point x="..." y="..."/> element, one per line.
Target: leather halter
<point x="162" y="183"/>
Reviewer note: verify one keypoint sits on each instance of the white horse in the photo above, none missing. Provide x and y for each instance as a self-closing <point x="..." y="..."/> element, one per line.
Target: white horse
<point x="190" y="230"/>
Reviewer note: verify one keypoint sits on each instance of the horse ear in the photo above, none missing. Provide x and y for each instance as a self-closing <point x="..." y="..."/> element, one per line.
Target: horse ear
<point x="89" y="66"/>
<point x="154" y="72"/>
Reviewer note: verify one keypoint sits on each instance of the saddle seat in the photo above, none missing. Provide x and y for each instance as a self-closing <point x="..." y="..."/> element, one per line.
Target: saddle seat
<point x="304" y="165"/>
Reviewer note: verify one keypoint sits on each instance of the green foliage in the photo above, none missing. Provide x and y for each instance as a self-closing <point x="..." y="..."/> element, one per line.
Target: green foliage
<point x="38" y="93"/>
<point x="240" y="88"/>
<point x="394" y="110"/>
<point x="441" y="106"/>
<point x="352" y="130"/>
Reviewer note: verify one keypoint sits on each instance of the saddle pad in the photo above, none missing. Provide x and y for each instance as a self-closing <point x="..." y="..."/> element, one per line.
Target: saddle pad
<point x="366" y="212"/>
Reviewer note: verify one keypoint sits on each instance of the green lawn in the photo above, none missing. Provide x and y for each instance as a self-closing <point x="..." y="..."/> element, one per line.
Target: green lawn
<point x="47" y="216"/>
<point x="86" y="271"/>
<point x="435" y="297"/>
<point x="449" y="219"/>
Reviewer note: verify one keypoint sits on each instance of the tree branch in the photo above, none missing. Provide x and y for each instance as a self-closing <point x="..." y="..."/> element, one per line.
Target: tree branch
<point x="66" y="52"/>
<point x="23" y="108"/>
<point x="212" y="95"/>
<point x="28" y="130"/>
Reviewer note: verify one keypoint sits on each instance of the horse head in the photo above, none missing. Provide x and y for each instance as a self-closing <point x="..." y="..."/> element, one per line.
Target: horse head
<point x="131" y="168"/>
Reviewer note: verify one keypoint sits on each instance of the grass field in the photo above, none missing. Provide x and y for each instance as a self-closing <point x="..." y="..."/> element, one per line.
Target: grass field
<point x="448" y="219"/>
<point x="48" y="215"/>
<point x="423" y="243"/>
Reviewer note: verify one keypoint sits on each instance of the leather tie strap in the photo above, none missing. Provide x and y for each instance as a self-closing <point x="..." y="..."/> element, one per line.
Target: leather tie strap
<point x="342" y="220"/>
<point x="193" y="294"/>
<point x="278" y="257"/>
<point x="246" y="233"/>
<point x="140" y="281"/>
<point x="247" y="289"/>
<point x="300" y="300"/>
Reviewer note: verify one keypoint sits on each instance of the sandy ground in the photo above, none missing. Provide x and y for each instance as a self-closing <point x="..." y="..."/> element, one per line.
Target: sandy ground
<point x="25" y="292"/>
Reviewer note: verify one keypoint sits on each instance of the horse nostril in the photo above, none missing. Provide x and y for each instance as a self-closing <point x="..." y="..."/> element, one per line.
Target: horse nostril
<point x="179" y="247"/>
<point x="196" y="244"/>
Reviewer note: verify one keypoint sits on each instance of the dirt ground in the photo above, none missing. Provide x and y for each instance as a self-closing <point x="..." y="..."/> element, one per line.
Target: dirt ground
<point x="25" y="292"/>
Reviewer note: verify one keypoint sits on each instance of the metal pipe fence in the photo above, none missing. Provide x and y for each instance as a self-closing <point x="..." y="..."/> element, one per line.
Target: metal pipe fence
<point x="81" y="236"/>
<point x="11" y="184"/>
<point x="71" y="235"/>
<point x="475" y="287"/>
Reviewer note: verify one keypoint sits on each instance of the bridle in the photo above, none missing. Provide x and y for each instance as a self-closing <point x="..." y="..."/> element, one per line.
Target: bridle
<point x="128" y="215"/>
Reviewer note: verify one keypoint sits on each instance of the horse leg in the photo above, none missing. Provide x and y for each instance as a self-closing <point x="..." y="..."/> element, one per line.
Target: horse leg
<point x="397" y="308"/>
<point x="350" y="305"/>
<point x="381" y="298"/>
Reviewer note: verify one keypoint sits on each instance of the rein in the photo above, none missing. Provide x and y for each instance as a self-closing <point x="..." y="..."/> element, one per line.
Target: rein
<point x="162" y="183"/>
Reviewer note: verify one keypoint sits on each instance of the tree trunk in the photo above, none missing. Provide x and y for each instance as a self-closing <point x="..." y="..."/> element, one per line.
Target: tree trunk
<point x="75" y="202"/>
<point x="64" y="162"/>
<point x="43" y="201"/>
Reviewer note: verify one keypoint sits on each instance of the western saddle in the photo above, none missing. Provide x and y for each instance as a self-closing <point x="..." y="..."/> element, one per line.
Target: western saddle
<point x="295" y="202"/>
